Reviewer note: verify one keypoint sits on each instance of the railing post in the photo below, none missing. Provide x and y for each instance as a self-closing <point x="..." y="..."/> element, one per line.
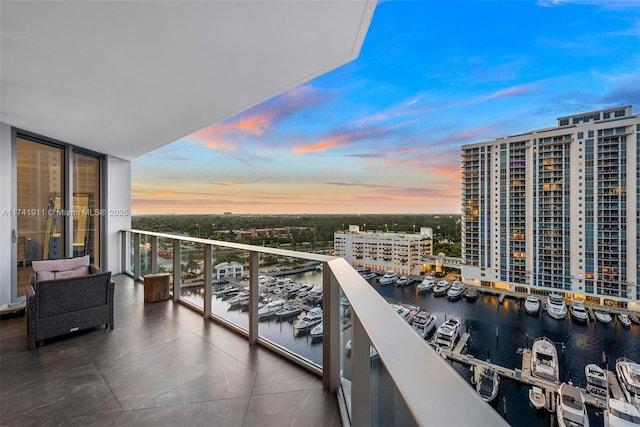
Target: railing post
<point x="136" y="257"/>
<point x="154" y="254"/>
<point x="361" y="407"/>
<point x="208" y="275"/>
<point x="177" y="270"/>
<point x="330" y="329"/>
<point x="254" y="264"/>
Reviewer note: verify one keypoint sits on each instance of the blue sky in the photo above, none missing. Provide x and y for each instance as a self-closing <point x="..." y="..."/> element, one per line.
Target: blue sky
<point x="383" y="133"/>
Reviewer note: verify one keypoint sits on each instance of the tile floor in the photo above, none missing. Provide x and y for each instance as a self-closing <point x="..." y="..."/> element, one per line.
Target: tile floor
<point x="162" y="365"/>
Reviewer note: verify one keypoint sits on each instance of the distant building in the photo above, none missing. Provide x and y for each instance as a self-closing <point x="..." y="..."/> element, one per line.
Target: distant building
<point x="557" y="209"/>
<point x="229" y="270"/>
<point x="403" y="253"/>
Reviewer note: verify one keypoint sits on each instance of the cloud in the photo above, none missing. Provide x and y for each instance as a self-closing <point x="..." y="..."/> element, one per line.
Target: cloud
<point x="341" y="138"/>
<point x="226" y="184"/>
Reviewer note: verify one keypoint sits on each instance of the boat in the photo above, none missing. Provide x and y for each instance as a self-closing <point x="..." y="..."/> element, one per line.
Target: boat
<point x="578" y="312"/>
<point x="313" y="317"/>
<point x="455" y="291"/>
<point x="544" y="359"/>
<point x="424" y="323"/>
<point x="621" y="414"/>
<point x="388" y="278"/>
<point x="471" y="294"/>
<point x="570" y="409"/>
<point x="448" y="333"/>
<point x="316" y="332"/>
<point x="555" y="306"/>
<point x="597" y="383"/>
<point x="537" y="398"/>
<point x="623" y="318"/>
<point x="602" y="316"/>
<point x="426" y="285"/>
<point x="532" y="305"/>
<point x="288" y="311"/>
<point x="238" y="300"/>
<point x="270" y="309"/>
<point x="402" y="311"/>
<point x="488" y="384"/>
<point x="403" y="281"/>
<point x="628" y="373"/>
<point x="441" y="288"/>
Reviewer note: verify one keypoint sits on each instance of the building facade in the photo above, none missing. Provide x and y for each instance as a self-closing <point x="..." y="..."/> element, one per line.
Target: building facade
<point x="557" y="209"/>
<point x="400" y="252"/>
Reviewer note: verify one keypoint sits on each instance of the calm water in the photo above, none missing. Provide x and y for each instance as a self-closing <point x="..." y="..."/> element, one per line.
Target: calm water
<point x="497" y="331"/>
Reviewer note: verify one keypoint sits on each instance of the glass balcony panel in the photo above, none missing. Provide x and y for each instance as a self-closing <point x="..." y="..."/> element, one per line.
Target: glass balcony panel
<point x="145" y="255"/>
<point x="230" y="299"/>
<point x="192" y="273"/>
<point x="132" y="258"/>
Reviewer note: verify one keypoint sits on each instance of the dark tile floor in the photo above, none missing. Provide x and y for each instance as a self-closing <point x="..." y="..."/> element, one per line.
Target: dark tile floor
<point x="162" y="365"/>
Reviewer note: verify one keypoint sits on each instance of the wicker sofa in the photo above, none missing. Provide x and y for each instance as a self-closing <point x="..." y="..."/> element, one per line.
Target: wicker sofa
<point x="67" y="296"/>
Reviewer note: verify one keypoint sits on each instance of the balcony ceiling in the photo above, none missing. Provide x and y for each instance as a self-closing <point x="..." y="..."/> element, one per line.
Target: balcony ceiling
<point x="124" y="78"/>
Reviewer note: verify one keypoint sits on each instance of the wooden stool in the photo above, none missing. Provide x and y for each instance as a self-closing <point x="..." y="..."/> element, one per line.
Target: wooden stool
<point x="156" y="287"/>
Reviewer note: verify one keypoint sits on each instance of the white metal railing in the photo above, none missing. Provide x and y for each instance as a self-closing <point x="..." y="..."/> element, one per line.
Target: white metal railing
<point x="431" y="389"/>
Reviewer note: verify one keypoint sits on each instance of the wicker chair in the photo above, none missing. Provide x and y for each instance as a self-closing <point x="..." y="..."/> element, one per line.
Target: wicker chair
<point x="60" y="306"/>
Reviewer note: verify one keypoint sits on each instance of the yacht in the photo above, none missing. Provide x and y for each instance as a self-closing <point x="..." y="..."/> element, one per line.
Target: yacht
<point x="597" y="383"/>
<point x="488" y="384"/>
<point x="471" y="294"/>
<point x="238" y="300"/>
<point x="424" y="323"/>
<point x="441" y="288"/>
<point x="448" y="333"/>
<point x="578" y="312"/>
<point x="270" y="309"/>
<point x="403" y="281"/>
<point x="544" y="359"/>
<point x="288" y="311"/>
<point x="624" y="320"/>
<point x="426" y="285"/>
<point x="388" y="278"/>
<point x="602" y="316"/>
<point x="555" y="306"/>
<point x="570" y="409"/>
<point x="316" y="332"/>
<point x="313" y="317"/>
<point x="455" y="291"/>
<point x="621" y="414"/>
<point x="537" y="398"/>
<point x="532" y="305"/>
<point x="628" y="373"/>
<point x="403" y="311"/>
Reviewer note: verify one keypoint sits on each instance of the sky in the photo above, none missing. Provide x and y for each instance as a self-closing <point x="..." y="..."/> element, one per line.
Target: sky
<point x="383" y="133"/>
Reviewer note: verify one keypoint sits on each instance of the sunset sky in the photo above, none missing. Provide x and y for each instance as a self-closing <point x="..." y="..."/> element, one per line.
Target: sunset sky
<point x="383" y="133"/>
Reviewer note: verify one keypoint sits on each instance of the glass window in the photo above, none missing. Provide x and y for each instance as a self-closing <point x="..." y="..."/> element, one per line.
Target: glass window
<point x="87" y="213"/>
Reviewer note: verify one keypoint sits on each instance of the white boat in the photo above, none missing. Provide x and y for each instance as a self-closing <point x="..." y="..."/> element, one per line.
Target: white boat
<point x="578" y="312"/>
<point x="621" y="414"/>
<point x="441" y="288"/>
<point x="448" y="333"/>
<point x="532" y="305"/>
<point x="623" y="318"/>
<point x="388" y="278"/>
<point x="488" y="384"/>
<point x="537" y="398"/>
<point x="570" y="409"/>
<point x="313" y="317"/>
<point x="628" y="373"/>
<point x="403" y="281"/>
<point x="238" y="300"/>
<point x="597" y="383"/>
<point x="556" y="306"/>
<point x="402" y="311"/>
<point x="316" y="332"/>
<point x="602" y="316"/>
<point x="544" y="359"/>
<point x="288" y="311"/>
<point x="424" y="323"/>
<point x="455" y="291"/>
<point x="426" y="285"/>
<point x="270" y="309"/>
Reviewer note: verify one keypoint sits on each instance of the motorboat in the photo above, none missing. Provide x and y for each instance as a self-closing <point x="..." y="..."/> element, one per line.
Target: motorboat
<point x="270" y="309"/>
<point x="623" y="318"/>
<point x="455" y="291"/>
<point x="424" y="323"/>
<point x="578" y="312"/>
<point x="556" y="306"/>
<point x="621" y="414"/>
<point x="313" y="317"/>
<point x="238" y="300"/>
<point x="570" y="409"/>
<point x="544" y="359"/>
<point x="388" y="278"/>
<point x="448" y="333"/>
<point x="366" y="273"/>
<point x="288" y="311"/>
<point x="402" y="311"/>
<point x="537" y="398"/>
<point x="471" y="294"/>
<point x="403" y="281"/>
<point x="597" y="383"/>
<point x="316" y="332"/>
<point x="441" y="288"/>
<point x="532" y="305"/>
<point x="488" y="384"/>
<point x="426" y="285"/>
<point x="602" y="316"/>
<point x="628" y="373"/>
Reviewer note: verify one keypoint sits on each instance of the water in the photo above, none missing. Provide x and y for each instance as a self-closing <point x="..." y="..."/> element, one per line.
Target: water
<point x="496" y="332"/>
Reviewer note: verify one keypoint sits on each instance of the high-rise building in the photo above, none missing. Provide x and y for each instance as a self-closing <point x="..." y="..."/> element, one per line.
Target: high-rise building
<point x="403" y="253"/>
<point x="557" y="209"/>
